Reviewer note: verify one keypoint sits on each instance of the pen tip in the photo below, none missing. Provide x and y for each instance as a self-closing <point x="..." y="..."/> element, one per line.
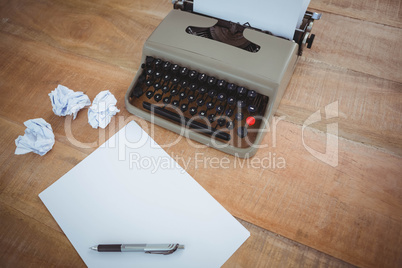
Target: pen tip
<point x="94" y="248"/>
<point x="180" y="247"/>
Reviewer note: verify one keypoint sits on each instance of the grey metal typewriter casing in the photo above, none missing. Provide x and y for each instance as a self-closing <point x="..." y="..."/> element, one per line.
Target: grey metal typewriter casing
<point x="267" y="71"/>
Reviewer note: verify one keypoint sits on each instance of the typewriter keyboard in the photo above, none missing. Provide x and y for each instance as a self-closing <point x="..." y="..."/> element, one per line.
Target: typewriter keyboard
<point x="206" y="104"/>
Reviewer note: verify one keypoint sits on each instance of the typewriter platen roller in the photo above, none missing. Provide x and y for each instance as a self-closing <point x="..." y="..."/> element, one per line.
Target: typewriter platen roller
<point x="214" y="81"/>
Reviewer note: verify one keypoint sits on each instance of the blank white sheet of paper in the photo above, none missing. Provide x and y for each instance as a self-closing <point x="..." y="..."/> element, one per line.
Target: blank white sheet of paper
<point x="131" y="191"/>
<point x="279" y="17"/>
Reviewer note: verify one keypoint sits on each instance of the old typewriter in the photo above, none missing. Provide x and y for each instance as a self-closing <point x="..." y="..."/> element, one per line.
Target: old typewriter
<point x="215" y="81"/>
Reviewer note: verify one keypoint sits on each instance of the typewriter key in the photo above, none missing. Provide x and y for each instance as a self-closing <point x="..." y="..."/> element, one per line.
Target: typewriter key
<point x="231" y="100"/>
<point x="149" y="82"/>
<point x="184" y="107"/>
<point x="251" y="94"/>
<point x="157" y="86"/>
<point x="175" y="68"/>
<point x="200" y="102"/>
<point x="203" y="113"/>
<point x="166" y="65"/>
<point x="221" y="83"/>
<point x="241" y="103"/>
<point x="193" y="74"/>
<point x="250" y="120"/>
<point x="176" y="103"/>
<point x="158" y="97"/>
<point x="150" y="71"/>
<point x="183" y="71"/>
<point x="239" y="116"/>
<point x="211" y="118"/>
<point x="158" y="74"/>
<point x="182" y="95"/>
<point x="158" y="63"/>
<point x="166" y="100"/>
<point x="219" y="109"/>
<point x="175" y="80"/>
<point x="174" y="92"/>
<point x="149" y="94"/>
<point x="210" y="105"/>
<point x="202" y="90"/>
<point x="193" y="110"/>
<point x="167" y="77"/>
<point x="251" y="109"/>
<point x="193" y="87"/>
<point x="242" y="132"/>
<point x="241" y="91"/>
<point x="202" y="78"/>
<point x="229" y="112"/>
<point x="231" y="87"/>
<point x="221" y="96"/>
<point x="212" y="93"/>
<point x="211" y="80"/>
<point x="191" y="98"/>
<point x="165" y="89"/>
<point x="221" y="122"/>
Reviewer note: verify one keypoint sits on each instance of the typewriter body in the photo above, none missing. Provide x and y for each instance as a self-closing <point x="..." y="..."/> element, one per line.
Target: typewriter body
<point x="214" y="81"/>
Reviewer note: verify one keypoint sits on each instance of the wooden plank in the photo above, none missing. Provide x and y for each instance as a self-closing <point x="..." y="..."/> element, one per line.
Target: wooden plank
<point x="388" y="12"/>
<point x="369" y="108"/>
<point x="28" y="243"/>
<point x="358" y="45"/>
<point x="278" y="251"/>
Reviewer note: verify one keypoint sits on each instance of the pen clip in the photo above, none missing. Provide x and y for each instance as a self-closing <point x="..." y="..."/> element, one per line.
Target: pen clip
<point x="169" y="249"/>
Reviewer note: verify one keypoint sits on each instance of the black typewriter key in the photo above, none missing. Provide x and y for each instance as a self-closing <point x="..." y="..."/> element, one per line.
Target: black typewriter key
<point x="175" y="68"/>
<point x="167" y="77"/>
<point x="230" y="125"/>
<point x="229" y="112"/>
<point x="211" y="118"/>
<point x="210" y="105"/>
<point x="166" y="100"/>
<point x="221" y="122"/>
<point x="191" y="98"/>
<point x="149" y="60"/>
<point x="251" y="94"/>
<point x="165" y="89"/>
<point x="231" y="100"/>
<point x="212" y="93"/>
<point x="193" y="110"/>
<point x="158" y="74"/>
<point x="203" y="113"/>
<point x="219" y="109"/>
<point x="193" y="87"/>
<point x="193" y="74"/>
<point x="242" y="132"/>
<point x="174" y="92"/>
<point x="175" y="80"/>
<point x="158" y="97"/>
<point x="211" y="80"/>
<point x="221" y="83"/>
<point x="149" y="94"/>
<point x="166" y="65"/>
<point x="241" y="104"/>
<point x="137" y="92"/>
<point x="200" y="102"/>
<point x="182" y="95"/>
<point x="157" y="86"/>
<point x="202" y="77"/>
<point x="176" y="103"/>
<point x="242" y="91"/>
<point x="202" y="90"/>
<point x="239" y="116"/>
<point x="184" y="107"/>
<point x="221" y="96"/>
<point x="158" y="63"/>
<point x="150" y="71"/>
<point x="184" y="71"/>
<point x="231" y="87"/>
<point x="184" y="83"/>
<point x="149" y="83"/>
<point x="251" y="109"/>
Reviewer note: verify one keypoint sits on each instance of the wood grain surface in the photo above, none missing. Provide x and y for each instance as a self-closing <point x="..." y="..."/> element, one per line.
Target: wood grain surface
<point x="301" y="211"/>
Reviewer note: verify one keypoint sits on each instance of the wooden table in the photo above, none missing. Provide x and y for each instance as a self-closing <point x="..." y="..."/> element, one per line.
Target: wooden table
<point x="305" y="213"/>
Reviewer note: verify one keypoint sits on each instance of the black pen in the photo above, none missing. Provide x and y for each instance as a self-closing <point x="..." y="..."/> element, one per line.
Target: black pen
<point x="146" y="248"/>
